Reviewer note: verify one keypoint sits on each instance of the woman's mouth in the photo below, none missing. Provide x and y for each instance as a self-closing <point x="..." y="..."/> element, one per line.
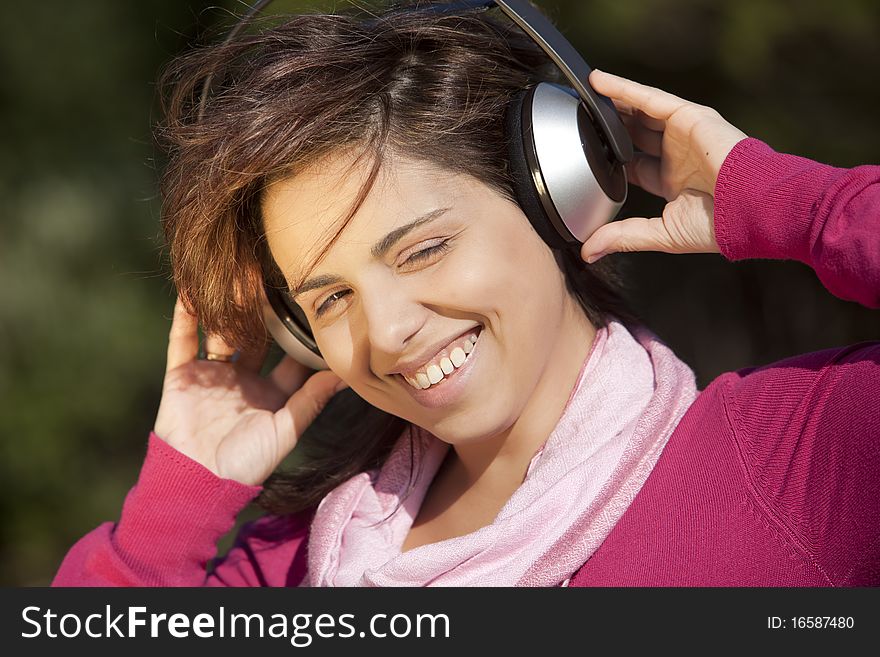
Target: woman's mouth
<point x="444" y="364"/>
<point x="440" y="380"/>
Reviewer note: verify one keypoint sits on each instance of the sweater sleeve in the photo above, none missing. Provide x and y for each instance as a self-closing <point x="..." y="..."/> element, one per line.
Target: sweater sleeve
<point x="168" y="531"/>
<point x="773" y="205"/>
<point x="808" y="433"/>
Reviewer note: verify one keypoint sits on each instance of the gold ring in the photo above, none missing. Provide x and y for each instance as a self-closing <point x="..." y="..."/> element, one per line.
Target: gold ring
<point x="221" y="358"/>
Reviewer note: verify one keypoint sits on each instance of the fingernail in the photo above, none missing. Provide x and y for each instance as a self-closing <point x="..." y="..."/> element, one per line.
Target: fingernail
<point x="593" y="258"/>
<point x="342" y="385"/>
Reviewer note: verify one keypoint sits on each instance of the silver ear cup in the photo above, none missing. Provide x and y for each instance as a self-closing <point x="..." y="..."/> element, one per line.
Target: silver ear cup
<point x="287" y="329"/>
<point x="580" y="185"/>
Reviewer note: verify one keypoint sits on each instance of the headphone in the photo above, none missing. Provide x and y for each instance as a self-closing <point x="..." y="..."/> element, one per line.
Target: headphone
<point x="567" y="148"/>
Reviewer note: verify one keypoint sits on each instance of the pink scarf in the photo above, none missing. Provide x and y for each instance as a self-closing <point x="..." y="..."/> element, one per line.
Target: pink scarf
<point x="629" y="397"/>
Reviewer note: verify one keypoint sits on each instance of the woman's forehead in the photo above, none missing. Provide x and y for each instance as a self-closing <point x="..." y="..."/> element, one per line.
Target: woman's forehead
<point x="316" y="202"/>
<point x="308" y="215"/>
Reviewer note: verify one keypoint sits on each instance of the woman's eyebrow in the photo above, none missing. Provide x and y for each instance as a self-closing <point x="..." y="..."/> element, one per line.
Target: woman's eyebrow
<point x="378" y="250"/>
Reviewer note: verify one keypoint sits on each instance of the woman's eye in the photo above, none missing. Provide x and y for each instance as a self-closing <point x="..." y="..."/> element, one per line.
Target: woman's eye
<point x="424" y="254"/>
<point x="415" y="258"/>
<point x="329" y="301"/>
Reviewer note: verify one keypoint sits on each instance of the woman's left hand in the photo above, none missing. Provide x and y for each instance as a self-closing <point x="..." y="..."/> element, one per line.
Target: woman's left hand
<point x="683" y="146"/>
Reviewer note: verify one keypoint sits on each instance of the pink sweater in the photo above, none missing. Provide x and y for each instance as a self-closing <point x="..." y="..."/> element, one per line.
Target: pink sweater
<point x="772" y="478"/>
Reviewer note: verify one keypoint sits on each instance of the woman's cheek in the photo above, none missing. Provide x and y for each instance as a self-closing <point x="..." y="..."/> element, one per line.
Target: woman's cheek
<point x="473" y="280"/>
<point x="483" y="290"/>
<point x="337" y="348"/>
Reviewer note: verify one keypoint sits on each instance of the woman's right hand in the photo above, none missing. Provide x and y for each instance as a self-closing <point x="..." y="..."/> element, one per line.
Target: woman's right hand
<point x="683" y="146"/>
<point x="226" y="416"/>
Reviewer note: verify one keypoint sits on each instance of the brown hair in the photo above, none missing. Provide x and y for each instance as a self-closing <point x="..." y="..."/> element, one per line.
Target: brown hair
<point x="433" y="86"/>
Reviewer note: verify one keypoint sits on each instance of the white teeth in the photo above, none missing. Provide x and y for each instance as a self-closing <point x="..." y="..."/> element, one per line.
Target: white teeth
<point x="434" y="373"/>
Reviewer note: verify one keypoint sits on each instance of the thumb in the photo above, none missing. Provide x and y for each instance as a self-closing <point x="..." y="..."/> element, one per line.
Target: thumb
<point x="305" y="405"/>
<point x="633" y="234"/>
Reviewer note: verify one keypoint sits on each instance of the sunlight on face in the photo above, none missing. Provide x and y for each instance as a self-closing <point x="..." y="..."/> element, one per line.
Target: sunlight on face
<point x="430" y="258"/>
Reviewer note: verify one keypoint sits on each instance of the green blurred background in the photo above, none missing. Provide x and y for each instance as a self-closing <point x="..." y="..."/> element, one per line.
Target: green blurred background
<point x="85" y="299"/>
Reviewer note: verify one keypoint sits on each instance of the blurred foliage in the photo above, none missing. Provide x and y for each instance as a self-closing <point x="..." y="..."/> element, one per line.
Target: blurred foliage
<point x="85" y="303"/>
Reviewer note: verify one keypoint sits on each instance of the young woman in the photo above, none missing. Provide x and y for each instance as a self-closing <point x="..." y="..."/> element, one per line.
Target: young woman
<point x="505" y="422"/>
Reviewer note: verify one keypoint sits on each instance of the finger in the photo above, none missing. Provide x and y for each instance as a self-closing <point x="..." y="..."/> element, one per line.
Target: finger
<point x="183" y="337"/>
<point x="305" y="405"/>
<point x="654" y="102"/>
<point x="644" y="170"/>
<point x="650" y="141"/>
<point x="658" y="125"/>
<point x="624" y="109"/>
<point x="628" y="111"/>
<point x="289" y="375"/>
<point x="214" y="344"/>
<point x="627" y="235"/>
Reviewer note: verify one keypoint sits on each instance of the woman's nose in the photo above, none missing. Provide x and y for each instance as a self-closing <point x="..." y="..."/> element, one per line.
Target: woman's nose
<point x="392" y="318"/>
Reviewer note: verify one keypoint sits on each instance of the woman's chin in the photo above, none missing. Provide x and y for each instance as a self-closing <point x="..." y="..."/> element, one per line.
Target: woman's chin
<point x="470" y="427"/>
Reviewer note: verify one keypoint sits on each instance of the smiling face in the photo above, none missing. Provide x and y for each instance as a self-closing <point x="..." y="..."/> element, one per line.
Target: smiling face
<point x="430" y="260"/>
